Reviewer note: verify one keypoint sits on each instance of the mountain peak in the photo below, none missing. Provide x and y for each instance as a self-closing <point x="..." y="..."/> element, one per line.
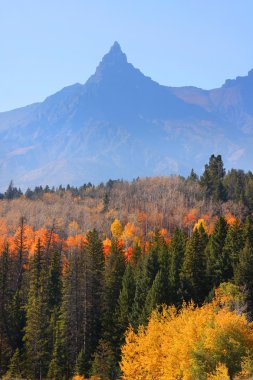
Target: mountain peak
<point x="116" y="48"/>
<point x="115" y="55"/>
<point x="114" y="62"/>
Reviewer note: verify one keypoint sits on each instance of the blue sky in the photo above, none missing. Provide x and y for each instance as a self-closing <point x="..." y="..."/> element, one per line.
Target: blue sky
<point x="48" y="44"/>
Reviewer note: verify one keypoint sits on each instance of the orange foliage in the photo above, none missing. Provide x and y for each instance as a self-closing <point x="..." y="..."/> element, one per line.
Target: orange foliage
<point x="163" y="232"/>
<point x="167" y="240"/>
<point x="128" y="253"/>
<point x="75" y="241"/>
<point x="191" y="217"/>
<point x="46" y="237"/>
<point x="120" y="244"/>
<point x="230" y="218"/>
<point x="107" y="247"/>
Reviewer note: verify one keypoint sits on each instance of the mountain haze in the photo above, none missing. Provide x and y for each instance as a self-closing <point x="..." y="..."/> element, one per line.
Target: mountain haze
<point x="122" y="124"/>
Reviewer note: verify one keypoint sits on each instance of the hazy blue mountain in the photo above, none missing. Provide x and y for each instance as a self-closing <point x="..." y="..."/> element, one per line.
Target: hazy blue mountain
<point x="122" y="124"/>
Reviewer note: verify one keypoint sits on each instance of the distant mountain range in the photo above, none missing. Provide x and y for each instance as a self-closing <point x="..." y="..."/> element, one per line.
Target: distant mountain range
<point x="122" y="124"/>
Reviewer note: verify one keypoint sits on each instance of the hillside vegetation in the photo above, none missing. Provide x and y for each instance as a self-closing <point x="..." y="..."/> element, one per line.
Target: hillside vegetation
<point x="170" y="257"/>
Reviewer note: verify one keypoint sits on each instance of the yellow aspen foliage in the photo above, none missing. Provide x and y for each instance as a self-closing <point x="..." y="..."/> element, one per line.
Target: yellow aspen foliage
<point x="194" y="343"/>
<point x="199" y="223"/>
<point x="221" y="373"/>
<point x="116" y="229"/>
<point x="78" y="377"/>
<point x="128" y="232"/>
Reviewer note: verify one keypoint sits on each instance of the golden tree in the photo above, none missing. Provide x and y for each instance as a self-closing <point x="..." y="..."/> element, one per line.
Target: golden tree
<point x="116" y="229"/>
<point x="196" y="342"/>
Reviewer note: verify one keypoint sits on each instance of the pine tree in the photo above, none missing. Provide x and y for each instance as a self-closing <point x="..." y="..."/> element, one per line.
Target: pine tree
<point x="6" y="339"/>
<point x="216" y="264"/>
<point x="164" y="264"/>
<point x="193" y="177"/>
<point x="244" y="271"/>
<point x="54" y="279"/>
<point x="103" y="365"/>
<point x="155" y="294"/>
<point x="81" y="363"/>
<point x="125" y="302"/>
<point x="146" y="271"/>
<point x="232" y="246"/>
<point x="70" y="329"/>
<point x="82" y="309"/>
<point x="247" y="231"/>
<point x="176" y="254"/>
<point x="212" y="179"/>
<point x="19" y="294"/>
<point x="57" y="366"/>
<point x="94" y="251"/>
<point x="114" y="272"/>
<point x="36" y="336"/>
<point x="15" y="366"/>
<point x="193" y="274"/>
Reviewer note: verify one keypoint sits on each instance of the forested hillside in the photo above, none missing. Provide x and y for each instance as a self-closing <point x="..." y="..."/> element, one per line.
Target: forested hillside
<point x="78" y="266"/>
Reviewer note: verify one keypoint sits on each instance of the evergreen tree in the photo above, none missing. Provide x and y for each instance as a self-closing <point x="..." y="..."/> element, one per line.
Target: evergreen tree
<point x="54" y="279"/>
<point x="82" y="310"/>
<point x="163" y="262"/>
<point x="36" y="336"/>
<point x="232" y="247"/>
<point x="103" y="365"/>
<point x="136" y="254"/>
<point x="247" y="231"/>
<point x="212" y="179"/>
<point x="57" y="366"/>
<point x="81" y="363"/>
<point x="6" y="339"/>
<point x="193" y="274"/>
<point x="71" y="337"/>
<point x="94" y="251"/>
<point x="193" y="176"/>
<point x="154" y="296"/>
<point x="126" y="299"/>
<point x="216" y="263"/>
<point x="146" y="271"/>
<point x="244" y="271"/>
<point x="19" y="291"/>
<point x="114" y="272"/>
<point x="15" y="366"/>
<point x="12" y="192"/>
<point x="176" y="254"/>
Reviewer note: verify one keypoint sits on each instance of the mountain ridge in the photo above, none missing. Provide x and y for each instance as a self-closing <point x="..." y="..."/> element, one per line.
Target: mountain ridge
<point x="122" y="124"/>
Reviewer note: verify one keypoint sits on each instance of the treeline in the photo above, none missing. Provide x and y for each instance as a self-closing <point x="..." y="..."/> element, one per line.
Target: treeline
<point x="64" y="311"/>
<point x="214" y="184"/>
<point x="148" y="203"/>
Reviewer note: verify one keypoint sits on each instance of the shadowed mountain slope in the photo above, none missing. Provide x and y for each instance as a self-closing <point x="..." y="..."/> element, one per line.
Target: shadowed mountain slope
<point x="122" y="124"/>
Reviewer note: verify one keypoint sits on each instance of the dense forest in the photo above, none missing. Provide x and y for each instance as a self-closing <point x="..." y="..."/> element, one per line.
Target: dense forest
<point x="151" y="279"/>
